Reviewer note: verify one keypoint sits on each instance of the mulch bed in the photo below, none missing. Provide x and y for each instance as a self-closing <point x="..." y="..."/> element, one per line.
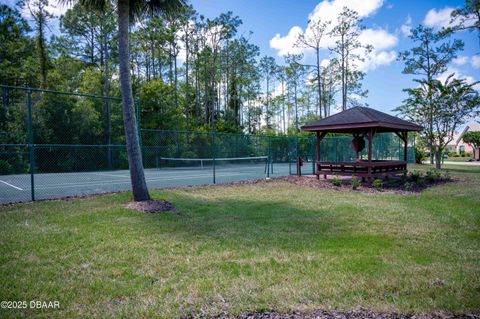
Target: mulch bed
<point x="312" y="182"/>
<point x="393" y="185"/>
<point x="354" y="314"/>
<point x="151" y="206"/>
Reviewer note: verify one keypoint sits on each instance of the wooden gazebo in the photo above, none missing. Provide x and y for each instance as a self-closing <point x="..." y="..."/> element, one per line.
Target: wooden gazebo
<point x="362" y="122"/>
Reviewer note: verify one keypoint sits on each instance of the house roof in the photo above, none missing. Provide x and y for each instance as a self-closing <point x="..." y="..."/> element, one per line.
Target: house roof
<point x="360" y="118"/>
<point x="470" y="127"/>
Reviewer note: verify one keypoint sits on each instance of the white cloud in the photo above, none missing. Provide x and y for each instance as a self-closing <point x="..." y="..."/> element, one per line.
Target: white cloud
<point x="461" y="60"/>
<point x="325" y="62"/>
<point x="328" y="10"/>
<point x="376" y="59"/>
<point x="286" y="45"/>
<point x="476" y="61"/>
<point x="379" y="38"/>
<point x="381" y="41"/>
<point x="438" y="18"/>
<point x="406" y="27"/>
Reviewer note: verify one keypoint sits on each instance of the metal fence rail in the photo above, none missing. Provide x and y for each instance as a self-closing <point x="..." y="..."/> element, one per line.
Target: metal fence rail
<point x="72" y="157"/>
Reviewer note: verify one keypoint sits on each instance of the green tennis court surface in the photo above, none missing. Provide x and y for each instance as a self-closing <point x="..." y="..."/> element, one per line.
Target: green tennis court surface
<point x="17" y="188"/>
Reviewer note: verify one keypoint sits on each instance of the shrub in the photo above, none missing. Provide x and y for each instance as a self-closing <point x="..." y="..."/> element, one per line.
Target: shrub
<point x="446" y="175"/>
<point x="432" y="175"/>
<point x="409" y="186"/>
<point x="336" y="181"/>
<point x="415" y="175"/>
<point x="355" y="183"/>
<point x="377" y="184"/>
<point x="419" y="155"/>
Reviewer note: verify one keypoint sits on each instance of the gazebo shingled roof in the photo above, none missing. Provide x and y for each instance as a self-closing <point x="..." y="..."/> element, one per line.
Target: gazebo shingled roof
<point x="361" y="118"/>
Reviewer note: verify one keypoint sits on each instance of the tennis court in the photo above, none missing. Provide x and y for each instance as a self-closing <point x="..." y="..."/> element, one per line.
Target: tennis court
<point x="17" y="188"/>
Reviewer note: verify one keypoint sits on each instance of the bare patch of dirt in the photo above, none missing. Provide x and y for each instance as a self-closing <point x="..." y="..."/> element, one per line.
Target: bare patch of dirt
<point x="151" y="206"/>
<point x="354" y="314"/>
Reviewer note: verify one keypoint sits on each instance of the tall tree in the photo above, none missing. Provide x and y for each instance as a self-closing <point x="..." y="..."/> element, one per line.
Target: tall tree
<point x="452" y="103"/>
<point x="331" y="77"/>
<point x="188" y="31"/>
<point x="15" y="42"/>
<point x="87" y="30"/>
<point x="428" y="59"/>
<point x="282" y="77"/>
<point x="312" y="38"/>
<point x="41" y="17"/>
<point x="267" y="66"/>
<point x="294" y="72"/>
<point x="349" y="50"/>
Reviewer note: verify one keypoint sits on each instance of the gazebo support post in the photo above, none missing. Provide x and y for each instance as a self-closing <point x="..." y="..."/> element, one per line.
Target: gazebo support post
<point x="404" y="137"/>
<point x="320" y="137"/>
<point x="370" y="140"/>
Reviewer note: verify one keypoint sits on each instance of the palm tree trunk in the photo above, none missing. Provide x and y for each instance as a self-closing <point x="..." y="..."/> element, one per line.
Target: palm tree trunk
<point x="139" y="186"/>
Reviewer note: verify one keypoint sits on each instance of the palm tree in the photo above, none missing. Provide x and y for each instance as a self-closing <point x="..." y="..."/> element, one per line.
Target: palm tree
<point x="128" y="11"/>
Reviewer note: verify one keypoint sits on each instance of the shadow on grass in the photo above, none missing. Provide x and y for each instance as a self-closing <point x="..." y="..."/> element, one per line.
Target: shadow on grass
<point x="261" y="224"/>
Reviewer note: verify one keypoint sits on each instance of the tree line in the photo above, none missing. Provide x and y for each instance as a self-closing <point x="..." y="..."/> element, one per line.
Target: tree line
<point x="189" y="71"/>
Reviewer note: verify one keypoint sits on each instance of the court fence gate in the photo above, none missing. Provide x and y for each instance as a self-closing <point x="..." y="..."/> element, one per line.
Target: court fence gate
<point x="42" y="159"/>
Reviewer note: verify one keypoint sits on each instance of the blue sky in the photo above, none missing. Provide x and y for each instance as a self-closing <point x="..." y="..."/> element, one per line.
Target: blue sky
<point x="386" y="19"/>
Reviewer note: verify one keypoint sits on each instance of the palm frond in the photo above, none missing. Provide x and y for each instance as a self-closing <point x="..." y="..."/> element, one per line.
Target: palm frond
<point x="92" y="4"/>
<point x="141" y="8"/>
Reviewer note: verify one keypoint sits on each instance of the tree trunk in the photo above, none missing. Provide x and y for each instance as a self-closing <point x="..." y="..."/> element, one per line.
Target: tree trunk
<point x="344" y="102"/>
<point x="107" y="102"/>
<point x="438" y="159"/>
<point x="296" y="107"/>
<point x="187" y="109"/>
<point x="175" y="76"/>
<point x="283" y="107"/>
<point x="139" y="185"/>
<point x="266" y="118"/>
<point x="319" y="84"/>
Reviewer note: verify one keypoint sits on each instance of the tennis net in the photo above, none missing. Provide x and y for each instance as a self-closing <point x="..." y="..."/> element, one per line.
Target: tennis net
<point x="256" y="163"/>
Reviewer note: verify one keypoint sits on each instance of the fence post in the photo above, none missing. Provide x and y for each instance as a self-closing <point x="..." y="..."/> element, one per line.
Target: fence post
<point x="213" y="154"/>
<point x="31" y="150"/>
<point x="289" y="155"/>
<point x="414" y="150"/>
<point x="314" y="157"/>
<point x="296" y="153"/>
<point x="268" y="157"/>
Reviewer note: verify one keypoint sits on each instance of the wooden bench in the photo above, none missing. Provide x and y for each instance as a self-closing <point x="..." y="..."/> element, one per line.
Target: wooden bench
<point x="362" y="168"/>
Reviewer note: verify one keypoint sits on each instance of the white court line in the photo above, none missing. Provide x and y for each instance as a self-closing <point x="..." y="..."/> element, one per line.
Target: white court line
<point x="20" y="189"/>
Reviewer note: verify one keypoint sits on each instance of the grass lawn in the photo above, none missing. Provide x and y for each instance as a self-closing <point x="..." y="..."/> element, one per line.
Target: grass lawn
<point x="248" y="247"/>
<point x="458" y="159"/>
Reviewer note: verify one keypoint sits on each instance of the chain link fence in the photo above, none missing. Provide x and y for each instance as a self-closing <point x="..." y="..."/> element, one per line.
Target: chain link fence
<point x="57" y="144"/>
